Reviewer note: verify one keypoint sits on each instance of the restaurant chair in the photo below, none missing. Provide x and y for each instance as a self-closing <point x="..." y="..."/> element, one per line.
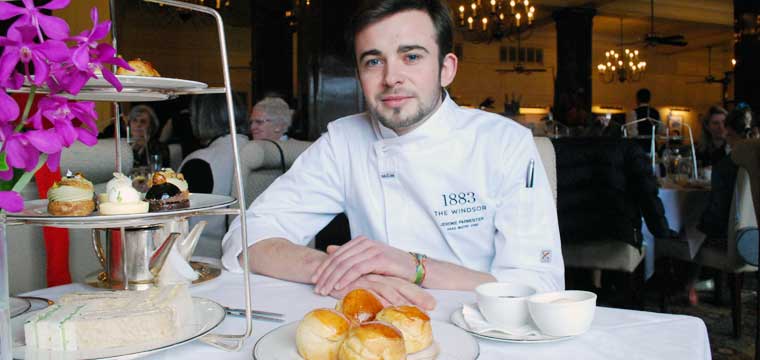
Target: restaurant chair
<point x="604" y="187"/>
<point x="719" y="254"/>
<point x="549" y="159"/>
<point x="747" y="155"/>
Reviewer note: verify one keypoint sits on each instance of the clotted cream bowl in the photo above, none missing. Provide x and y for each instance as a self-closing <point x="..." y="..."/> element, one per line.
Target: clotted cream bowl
<point x="563" y="313"/>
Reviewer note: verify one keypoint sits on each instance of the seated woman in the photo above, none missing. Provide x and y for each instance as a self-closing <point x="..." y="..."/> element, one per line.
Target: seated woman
<point x="270" y="119"/>
<point x="210" y="169"/>
<point x="712" y="147"/>
<point x="143" y="136"/>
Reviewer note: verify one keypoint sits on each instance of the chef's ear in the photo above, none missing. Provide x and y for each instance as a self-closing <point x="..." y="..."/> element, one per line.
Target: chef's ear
<point x="448" y="69"/>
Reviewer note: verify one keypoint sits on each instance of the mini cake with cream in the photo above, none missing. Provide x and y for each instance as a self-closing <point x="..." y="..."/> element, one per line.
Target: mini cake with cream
<point x="73" y="195"/>
<point x="121" y="198"/>
<point x="168" y="191"/>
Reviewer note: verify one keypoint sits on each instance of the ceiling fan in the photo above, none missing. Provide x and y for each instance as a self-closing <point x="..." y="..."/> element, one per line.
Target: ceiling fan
<point x="654" y="39"/>
<point x="710" y="79"/>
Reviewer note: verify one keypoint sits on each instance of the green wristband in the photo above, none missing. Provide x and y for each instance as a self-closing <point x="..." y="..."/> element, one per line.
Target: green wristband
<point x="420" y="275"/>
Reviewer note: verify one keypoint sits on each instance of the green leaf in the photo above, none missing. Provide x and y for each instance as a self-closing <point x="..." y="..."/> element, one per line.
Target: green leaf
<point x="3" y="163"/>
<point x="7" y="185"/>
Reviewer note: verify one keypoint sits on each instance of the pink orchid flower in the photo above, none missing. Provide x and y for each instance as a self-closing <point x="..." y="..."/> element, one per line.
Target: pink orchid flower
<point x="90" y="57"/>
<point x="67" y="118"/>
<point x="54" y="28"/>
<point x="20" y="46"/>
<point x="9" y="110"/>
<point x="11" y="201"/>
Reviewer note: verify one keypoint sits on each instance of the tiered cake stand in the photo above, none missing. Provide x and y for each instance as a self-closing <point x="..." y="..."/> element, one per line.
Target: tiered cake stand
<point x="157" y="89"/>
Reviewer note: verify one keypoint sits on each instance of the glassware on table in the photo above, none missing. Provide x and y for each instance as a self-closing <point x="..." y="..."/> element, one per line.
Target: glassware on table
<point x="154" y="162"/>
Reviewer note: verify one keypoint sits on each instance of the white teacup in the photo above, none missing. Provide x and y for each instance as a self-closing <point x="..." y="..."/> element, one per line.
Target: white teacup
<point x="504" y="304"/>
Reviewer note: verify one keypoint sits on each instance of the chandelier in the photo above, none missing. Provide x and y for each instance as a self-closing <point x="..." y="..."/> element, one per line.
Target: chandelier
<point x="621" y="65"/>
<point x="488" y="20"/>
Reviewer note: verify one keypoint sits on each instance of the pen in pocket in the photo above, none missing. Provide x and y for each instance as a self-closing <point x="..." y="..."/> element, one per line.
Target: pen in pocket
<point x="529" y="174"/>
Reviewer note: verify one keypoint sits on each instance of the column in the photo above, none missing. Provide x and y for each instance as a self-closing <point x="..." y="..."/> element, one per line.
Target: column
<point x="747" y="52"/>
<point x="572" y="89"/>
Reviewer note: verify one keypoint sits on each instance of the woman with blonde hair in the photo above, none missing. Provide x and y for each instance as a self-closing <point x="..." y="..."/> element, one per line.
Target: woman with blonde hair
<point x="712" y="147"/>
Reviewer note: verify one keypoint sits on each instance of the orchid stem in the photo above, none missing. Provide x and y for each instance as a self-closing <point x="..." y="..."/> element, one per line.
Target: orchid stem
<point x="24" y="179"/>
<point x="27" y="108"/>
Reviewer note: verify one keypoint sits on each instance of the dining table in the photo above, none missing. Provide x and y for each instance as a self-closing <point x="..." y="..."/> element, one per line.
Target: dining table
<point x="683" y="205"/>
<point x="614" y="333"/>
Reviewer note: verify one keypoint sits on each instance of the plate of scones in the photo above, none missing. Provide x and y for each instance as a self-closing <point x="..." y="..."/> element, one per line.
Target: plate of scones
<point x="361" y="328"/>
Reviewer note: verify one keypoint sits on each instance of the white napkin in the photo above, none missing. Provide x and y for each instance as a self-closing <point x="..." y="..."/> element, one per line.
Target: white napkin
<point x="477" y="323"/>
<point x="176" y="270"/>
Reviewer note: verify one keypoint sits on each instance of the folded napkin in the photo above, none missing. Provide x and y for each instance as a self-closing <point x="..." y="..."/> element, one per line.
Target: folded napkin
<point x="478" y="324"/>
<point x="176" y="270"/>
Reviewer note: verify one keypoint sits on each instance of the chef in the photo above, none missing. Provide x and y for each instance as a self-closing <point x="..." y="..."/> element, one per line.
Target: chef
<point x="436" y="195"/>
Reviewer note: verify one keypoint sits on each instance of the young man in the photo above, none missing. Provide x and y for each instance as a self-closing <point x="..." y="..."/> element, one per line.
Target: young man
<point x="415" y="175"/>
<point x="642" y="110"/>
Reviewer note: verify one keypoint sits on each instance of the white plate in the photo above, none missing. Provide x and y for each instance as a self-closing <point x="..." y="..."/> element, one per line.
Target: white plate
<point x="208" y="315"/>
<point x="147" y="82"/>
<point x="35" y="211"/>
<point x="451" y="343"/>
<point x="458" y="319"/>
<point x="19" y="306"/>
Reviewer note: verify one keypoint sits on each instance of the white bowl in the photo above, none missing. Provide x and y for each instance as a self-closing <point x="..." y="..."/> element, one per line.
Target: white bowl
<point x="504" y="304"/>
<point x="563" y="313"/>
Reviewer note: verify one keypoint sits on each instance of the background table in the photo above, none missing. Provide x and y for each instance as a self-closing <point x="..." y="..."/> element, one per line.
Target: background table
<point x="614" y="334"/>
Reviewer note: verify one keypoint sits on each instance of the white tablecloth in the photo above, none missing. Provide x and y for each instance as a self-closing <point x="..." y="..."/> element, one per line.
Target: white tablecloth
<point x="683" y="207"/>
<point x="614" y="334"/>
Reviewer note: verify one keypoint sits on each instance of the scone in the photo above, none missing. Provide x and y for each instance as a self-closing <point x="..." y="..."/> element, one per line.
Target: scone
<point x="320" y="334"/>
<point x="141" y="68"/>
<point x="121" y="197"/>
<point x="413" y="323"/>
<point x="373" y="341"/>
<point x="168" y="191"/>
<point x="359" y="306"/>
<point x="71" y="196"/>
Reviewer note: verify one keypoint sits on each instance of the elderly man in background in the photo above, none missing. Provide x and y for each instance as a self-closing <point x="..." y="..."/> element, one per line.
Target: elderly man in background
<point x="270" y="119"/>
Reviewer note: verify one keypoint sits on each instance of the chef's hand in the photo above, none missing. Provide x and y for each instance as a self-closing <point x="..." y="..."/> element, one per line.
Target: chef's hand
<point x="358" y="257"/>
<point x="391" y="291"/>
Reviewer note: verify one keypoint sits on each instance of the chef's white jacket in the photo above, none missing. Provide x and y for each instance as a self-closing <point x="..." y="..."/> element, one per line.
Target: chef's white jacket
<point x="455" y="188"/>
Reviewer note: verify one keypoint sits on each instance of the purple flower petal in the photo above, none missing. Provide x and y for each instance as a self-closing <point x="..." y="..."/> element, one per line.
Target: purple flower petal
<point x="8" y="11"/>
<point x="8" y="62"/>
<point x="81" y="58"/>
<point x="87" y="137"/>
<point x="11" y="201"/>
<point x="56" y="4"/>
<point x="55" y="28"/>
<point x="41" y="69"/>
<point x="18" y="154"/>
<point x="53" y="161"/>
<point x="112" y="79"/>
<point x="9" y="110"/>
<point x="55" y="50"/>
<point x="67" y="132"/>
<point x="46" y="141"/>
<point x="6" y="175"/>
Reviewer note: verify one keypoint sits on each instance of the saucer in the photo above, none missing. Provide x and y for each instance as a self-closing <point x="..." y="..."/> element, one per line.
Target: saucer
<point x="457" y="318"/>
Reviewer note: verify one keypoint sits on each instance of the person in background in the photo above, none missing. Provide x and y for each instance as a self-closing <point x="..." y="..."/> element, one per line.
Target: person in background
<point x="270" y="119"/>
<point x="712" y="148"/>
<point x="143" y="137"/>
<point x="210" y="169"/>
<point x="642" y="110"/>
<point x="714" y="220"/>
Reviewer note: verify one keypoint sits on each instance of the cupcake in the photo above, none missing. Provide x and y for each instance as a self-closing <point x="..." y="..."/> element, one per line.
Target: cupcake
<point x="168" y="191"/>
<point x="71" y="196"/>
<point x="121" y="198"/>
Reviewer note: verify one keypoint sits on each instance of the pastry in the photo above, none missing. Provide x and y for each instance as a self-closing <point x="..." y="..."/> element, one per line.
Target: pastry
<point x="71" y="196"/>
<point x="320" y="334"/>
<point x="413" y="323"/>
<point x="121" y="198"/>
<point x="168" y="191"/>
<point x="359" y="306"/>
<point x="141" y="68"/>
<point x="373" y="341"/>
<point x="100" y="320"/>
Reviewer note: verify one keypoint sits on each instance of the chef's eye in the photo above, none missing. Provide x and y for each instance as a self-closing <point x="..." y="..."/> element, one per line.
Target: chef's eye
<point x="372" y="62"/>
<point x="413" y="57"/>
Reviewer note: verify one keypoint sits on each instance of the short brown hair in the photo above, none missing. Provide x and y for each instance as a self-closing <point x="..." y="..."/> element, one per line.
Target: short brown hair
<point x="372" y="11"/>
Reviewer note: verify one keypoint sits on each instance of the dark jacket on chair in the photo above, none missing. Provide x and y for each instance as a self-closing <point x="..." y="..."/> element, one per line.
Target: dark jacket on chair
<point x="604" y="187"/>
